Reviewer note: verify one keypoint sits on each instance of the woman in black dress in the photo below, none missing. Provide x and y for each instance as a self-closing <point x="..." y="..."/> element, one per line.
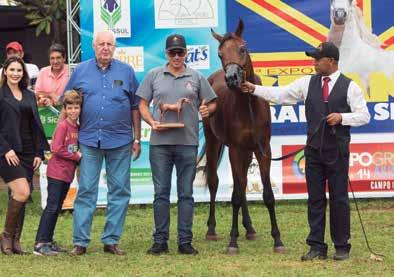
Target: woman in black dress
<point x="22" y="145"/>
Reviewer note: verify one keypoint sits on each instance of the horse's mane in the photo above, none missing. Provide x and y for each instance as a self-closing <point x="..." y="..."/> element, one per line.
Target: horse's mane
<point x="366" y="34"/>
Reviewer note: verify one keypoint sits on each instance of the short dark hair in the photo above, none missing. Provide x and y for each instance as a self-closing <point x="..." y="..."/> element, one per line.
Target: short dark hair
<point x="24" y="83"/>
<point x="57" y="47"/>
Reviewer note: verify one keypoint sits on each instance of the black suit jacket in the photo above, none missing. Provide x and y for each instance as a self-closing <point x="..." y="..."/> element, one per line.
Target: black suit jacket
<point x="10" y="138"/>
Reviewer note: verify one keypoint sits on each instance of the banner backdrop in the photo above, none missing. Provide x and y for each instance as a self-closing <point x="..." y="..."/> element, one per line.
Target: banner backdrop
<point x="277" y="34"/>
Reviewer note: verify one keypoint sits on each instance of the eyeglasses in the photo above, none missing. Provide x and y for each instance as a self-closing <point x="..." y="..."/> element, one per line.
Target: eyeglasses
<point x="172" y="53"/>
<point x="104" y="44"/>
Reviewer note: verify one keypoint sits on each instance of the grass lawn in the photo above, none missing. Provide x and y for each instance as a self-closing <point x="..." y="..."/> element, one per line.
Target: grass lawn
<point x="256" y="258"/>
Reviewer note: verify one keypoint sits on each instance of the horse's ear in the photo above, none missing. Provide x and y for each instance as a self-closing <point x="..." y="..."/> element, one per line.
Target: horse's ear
<point x="216" y="35"/>
<point x="240" y="28"/>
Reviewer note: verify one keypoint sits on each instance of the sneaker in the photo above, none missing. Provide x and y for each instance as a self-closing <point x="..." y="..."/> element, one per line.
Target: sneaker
<point x="341" y="255"/>
<point x="187" y="249"/>
<point x="158" y="248"/>
<point x="56" y="248"/>
<point x="314" y="254"/>
<point x="43" y="249"/>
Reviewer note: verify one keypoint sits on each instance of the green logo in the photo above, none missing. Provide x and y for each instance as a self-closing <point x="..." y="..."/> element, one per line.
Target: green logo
<point x="111" y="12"/>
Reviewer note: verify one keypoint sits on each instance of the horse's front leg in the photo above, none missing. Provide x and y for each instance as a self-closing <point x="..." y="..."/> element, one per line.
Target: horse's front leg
<point x="246" y="220"/>
<point x="240" y="160"/>
<point x="268" y="195"/>
<point x="213" y="148"/>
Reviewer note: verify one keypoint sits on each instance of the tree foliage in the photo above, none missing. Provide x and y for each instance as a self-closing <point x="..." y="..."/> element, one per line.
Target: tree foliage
<point x="49" y="16"/>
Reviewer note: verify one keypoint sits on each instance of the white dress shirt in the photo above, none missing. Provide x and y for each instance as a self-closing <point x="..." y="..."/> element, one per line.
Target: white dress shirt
<point x="298" y="91"/>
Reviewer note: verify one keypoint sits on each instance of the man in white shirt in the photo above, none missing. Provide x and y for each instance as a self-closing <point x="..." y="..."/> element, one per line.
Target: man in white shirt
<point x="333" y="103"/>
<point x="14" y="48"/>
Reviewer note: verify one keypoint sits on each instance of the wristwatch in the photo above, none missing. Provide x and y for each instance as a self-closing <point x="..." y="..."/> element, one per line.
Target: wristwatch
<point x="137" y="141"/>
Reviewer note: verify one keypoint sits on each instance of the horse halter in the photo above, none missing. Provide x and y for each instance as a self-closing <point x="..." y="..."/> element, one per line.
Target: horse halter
<point x="235" y="73"/>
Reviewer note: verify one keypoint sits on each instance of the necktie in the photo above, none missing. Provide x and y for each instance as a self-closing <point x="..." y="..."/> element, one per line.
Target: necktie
<point x="325" y="88"/>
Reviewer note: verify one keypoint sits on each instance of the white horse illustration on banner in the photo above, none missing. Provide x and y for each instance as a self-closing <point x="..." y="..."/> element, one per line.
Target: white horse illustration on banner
<point x="360" y="50"/>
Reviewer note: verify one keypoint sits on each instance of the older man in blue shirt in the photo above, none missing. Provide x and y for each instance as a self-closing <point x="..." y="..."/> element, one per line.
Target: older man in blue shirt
<point x="109" y="117"/>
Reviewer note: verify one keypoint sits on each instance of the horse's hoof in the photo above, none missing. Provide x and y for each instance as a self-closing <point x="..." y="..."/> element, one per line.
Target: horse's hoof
<point x="280" y="250"/>
<point x="212" y="237"/>
<point x="232" y="250"/>
<point x="252" y="236"/>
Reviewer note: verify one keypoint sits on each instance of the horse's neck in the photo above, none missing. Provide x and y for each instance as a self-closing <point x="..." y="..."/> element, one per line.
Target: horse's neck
<point x="249" y="71"/>
<point x="357" y="31"/>
<point x="335" y="34"/>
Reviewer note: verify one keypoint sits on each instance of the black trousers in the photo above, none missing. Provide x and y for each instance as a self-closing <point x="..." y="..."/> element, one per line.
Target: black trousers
<point x="318" y="172"/>
<point x="57" y="192"/>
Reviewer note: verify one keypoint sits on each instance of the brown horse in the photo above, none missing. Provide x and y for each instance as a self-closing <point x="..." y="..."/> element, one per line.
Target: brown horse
<point x="243" y="123"/>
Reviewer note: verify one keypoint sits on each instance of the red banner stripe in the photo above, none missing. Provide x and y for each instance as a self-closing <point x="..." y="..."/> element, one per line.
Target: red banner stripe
<point x="290" y="19"/>
<point x="283" y="63"/>
<point x="360" y="4"/>
<point x="388" y="42"/>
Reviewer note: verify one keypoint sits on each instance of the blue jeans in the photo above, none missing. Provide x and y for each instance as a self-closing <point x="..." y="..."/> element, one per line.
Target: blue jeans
<point x="117" y="169"/>
<point x="57" y="192"/>
<point x="162" y="159"/>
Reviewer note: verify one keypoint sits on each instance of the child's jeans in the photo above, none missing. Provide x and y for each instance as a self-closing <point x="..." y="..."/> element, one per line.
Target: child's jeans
<point x="57" y="192"/>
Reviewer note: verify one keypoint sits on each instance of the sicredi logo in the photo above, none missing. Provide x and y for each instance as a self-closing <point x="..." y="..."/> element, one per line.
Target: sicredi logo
<point x="198" y="56"/>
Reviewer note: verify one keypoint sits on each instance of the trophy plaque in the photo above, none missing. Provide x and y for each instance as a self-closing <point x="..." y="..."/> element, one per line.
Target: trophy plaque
<point x="174" y="108"/>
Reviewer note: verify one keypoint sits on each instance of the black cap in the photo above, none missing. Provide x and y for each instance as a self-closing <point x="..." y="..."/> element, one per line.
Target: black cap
<point x="175" y="42"/>
<point x="325" y="49"/>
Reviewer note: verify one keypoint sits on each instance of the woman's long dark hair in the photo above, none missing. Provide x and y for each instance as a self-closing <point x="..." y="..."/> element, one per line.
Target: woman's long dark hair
<point x="24" y="82"/>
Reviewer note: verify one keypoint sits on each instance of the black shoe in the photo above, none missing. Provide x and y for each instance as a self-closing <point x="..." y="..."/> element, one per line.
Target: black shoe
<point x="158" y="248"/>
<point x="187" y="249"/>
<point x="113" y="249"/>
<point x="78" y="251"/>
<point x="314" y="254"/>
<point x="341" y="255"/>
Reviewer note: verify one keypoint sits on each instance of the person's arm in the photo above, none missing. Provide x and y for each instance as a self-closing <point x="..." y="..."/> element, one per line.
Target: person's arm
<point x="4" y="146"/>
<point x="145" y="92"/>
<point x="207" y="109"/>
<point x="146" y="115"/>
<point x="136" y="147"/>
<point x="359" y="114"/>
<point x="290" y="94"/>
<point x="59" y="147"/>
<point x="208" y="98"/>
<point x="135" y="116"/>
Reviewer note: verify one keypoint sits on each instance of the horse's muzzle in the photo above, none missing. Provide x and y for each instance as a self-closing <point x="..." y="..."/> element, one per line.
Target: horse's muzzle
<point x="235" y="75"/>
<point x="340" y="16"/>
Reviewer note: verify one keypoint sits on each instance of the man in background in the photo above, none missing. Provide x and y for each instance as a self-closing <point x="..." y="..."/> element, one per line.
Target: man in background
<point x="14" y="48"/>
<point x="52" y="79"/>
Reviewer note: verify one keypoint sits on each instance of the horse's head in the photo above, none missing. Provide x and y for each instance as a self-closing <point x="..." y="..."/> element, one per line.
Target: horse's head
<point x="340" y="10"/>
<point x="234" y="56"/>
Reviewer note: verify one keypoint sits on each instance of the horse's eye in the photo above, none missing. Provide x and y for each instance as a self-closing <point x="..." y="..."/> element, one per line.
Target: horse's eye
<point x="243" y="49"/>
<point x="220" y="55"/>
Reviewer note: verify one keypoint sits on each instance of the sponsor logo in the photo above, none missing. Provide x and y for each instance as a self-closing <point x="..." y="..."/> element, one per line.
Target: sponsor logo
<point x="198" y="56"/>
<point x="110" y="12"/>
<point x="133" y="56"/>
<point x="371" y="168"/>
<point x="112" y="15"/>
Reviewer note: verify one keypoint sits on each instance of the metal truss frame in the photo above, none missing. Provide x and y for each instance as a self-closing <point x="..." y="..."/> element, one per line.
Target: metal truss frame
<point x="73" y="48"/>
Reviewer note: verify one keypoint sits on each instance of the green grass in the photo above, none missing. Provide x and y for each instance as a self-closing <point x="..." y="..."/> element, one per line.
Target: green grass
<point x="256" y="258"/>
